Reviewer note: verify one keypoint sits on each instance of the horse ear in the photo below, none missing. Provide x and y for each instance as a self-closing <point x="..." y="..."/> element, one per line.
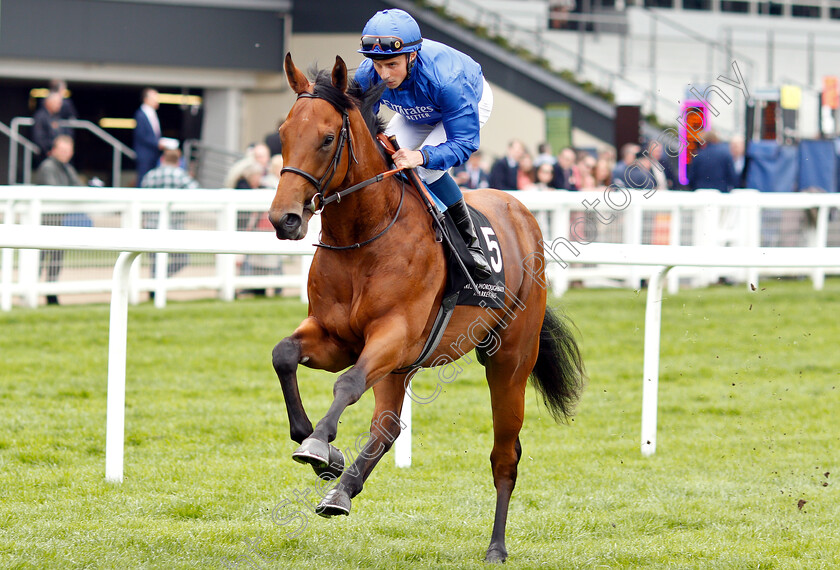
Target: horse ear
<point x="297" y="80"/>
<point x="339" y="74"/>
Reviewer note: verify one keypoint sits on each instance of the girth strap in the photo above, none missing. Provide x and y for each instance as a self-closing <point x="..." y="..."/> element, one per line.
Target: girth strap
<point x="447" y="307"/>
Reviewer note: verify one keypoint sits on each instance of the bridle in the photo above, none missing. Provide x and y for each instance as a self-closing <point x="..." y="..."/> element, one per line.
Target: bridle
<point x="323" y="183"/>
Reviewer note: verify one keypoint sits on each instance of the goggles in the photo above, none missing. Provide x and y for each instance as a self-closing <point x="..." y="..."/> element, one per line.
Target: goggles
<point x="385" y="43"/>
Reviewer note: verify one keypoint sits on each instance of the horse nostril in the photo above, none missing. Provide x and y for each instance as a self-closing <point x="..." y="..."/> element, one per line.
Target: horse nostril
<point x="290" y="221"/>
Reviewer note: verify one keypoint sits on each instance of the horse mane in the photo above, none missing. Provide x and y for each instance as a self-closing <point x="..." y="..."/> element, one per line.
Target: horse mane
<point x="355" y="97"/>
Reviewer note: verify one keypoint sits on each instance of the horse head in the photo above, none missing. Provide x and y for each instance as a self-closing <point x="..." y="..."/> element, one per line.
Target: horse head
<point x="317" y="149"/>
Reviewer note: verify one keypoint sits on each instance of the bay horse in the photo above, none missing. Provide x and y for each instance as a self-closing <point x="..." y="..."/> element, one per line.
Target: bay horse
<point x="375" y="290"/>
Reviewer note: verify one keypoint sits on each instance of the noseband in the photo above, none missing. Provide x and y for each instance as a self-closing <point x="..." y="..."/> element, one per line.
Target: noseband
<point x="322" y="184"/>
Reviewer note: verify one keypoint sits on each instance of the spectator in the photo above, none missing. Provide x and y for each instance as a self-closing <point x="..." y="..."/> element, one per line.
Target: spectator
<point x="275" y="168"/>
<point x="46" y="126"/>
<point x="250" y="178"/>
<point x="544" y="155"/>
<point x="607" y="154"/>
<point x="262" y="155"/>
<point x="639" y="174"/>
<point x="662" y="167"/>
<point x="585" y="167"/>
<point x="68" y="109"/>
<point x="558" y="13"/>
<point x="564" y="171"/>
<point x="56" y="170"/>
<point x="471" y="175"/>
<point x="544" y="177"/>
<point x="526" y="174"/>
<point x="713" y="166"/>
<point x="268" y="264"/>
<point x="602" y="173"/>
<point x="627" y="157"/>
<point x="169" y="175"/>
<point x="147" y="143"/>
<point x="503" y="174"/>
<point x="258" y="153"/>
<point x="272" y="140"/>
<point x="737" y="149"/>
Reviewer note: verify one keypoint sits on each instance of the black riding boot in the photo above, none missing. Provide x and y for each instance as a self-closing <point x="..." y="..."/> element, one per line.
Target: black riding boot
<point x="461" y="216"/>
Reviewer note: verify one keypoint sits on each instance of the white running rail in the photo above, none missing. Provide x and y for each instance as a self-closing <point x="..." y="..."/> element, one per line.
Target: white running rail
<point x="663" y="258"/>
<point x="132" y="243"/>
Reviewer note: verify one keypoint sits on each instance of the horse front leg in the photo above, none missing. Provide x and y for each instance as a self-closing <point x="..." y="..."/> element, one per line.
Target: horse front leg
<point x="383" y="352"/>
<point x="311" y="346"/>
<point x="385" y="427"/>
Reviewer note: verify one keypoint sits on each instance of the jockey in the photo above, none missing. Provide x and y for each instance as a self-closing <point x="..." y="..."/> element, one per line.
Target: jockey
<point x="441" y="100"/>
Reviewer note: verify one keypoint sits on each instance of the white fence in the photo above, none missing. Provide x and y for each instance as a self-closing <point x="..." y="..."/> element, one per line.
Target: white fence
<point x="663" y="259"/>
<point x="744" y="218"/>
<point x="132" y="242"/>
<point x="88" y="271"/>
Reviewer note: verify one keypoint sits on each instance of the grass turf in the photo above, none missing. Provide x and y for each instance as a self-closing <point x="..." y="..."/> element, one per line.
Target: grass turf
<point x="744" y="475"/>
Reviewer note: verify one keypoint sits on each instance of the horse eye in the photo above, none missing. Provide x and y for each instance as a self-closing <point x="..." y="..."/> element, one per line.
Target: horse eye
<point x="328" y="140"/>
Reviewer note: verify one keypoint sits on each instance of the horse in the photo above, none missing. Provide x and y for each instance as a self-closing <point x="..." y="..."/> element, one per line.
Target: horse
<point x="375" y="285"/>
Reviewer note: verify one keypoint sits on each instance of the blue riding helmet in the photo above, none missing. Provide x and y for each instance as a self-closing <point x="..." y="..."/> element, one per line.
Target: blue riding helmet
<point x="390" y="33"/>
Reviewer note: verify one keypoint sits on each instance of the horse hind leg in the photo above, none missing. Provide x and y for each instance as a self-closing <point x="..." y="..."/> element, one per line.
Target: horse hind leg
<point x="554" y="361"/>
<point x="507" y="380"/>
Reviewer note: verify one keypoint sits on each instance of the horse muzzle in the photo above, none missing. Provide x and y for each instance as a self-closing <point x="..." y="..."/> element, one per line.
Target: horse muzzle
<point x="287" y="226"/>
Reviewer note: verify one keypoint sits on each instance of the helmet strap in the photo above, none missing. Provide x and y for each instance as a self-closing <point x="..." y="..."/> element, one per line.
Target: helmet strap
<point x="409" y="63"/>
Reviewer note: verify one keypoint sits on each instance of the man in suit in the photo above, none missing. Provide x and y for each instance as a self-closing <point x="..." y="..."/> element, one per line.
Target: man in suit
<point x="639" y="173"/>
<point x="147" y="143"/>
<point x="46" y="126"/>
<point x="565" y="172"/>
<point x="713" y="166"/>
<point x="68" y="109"/>
<point x="504" y="172"/>
<point x="471" y="175"/>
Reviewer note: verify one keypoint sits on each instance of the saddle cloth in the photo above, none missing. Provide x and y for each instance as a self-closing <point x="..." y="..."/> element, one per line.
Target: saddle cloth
<point x="491" y="291"/>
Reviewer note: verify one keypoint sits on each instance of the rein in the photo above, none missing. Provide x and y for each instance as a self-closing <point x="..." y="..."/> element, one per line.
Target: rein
<point x="377" y="236"/>
<point x="322" y="184"/>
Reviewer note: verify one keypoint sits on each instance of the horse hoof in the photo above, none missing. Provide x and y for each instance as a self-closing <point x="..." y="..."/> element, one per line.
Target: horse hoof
<point x="314" y="452"/>
<point x="326" y="459"/>
<point x="335" y="502"/>
<point x="334" y="469"/>
<point x="496" y="555"/>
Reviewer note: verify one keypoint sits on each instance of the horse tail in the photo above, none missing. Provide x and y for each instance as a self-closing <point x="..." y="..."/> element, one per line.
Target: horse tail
<point x="559" y="374"/>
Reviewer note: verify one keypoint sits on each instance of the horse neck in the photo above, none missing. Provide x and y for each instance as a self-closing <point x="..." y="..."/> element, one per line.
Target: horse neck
<point x="363" y="213"/>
